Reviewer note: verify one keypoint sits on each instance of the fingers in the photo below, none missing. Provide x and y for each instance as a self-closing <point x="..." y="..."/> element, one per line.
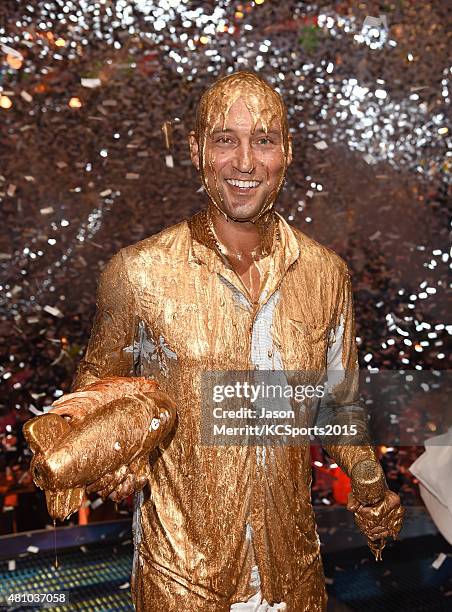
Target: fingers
<point x="125" y="481"/>
<point x="62" y="411"/>
<point x="393" y="501"/>
<point x="135" y="480"/>
<point x="381" y="521"/>
<point x="124" y="490"/>
<point x="109" y="482"/>
<point x="396" y="522"/>
<point x="141" y="469"/>
<point x="63" y="398"/>
<point x="75" y="406"/>
<point x="73" y="414"/>
<point x="381" y="534"/>
<point x="120" y="484"/>
<point x="352" y="504"/>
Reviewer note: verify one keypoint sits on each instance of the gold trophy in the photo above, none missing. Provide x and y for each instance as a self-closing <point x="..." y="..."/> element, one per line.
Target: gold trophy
<point x="113" y="422"/>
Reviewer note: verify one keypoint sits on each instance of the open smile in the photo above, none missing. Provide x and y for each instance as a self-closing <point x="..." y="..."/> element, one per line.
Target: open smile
<point x="239" y="186"/>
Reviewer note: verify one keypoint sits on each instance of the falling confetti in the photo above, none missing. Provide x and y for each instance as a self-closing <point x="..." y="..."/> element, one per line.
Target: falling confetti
<point x="85" y="89"/>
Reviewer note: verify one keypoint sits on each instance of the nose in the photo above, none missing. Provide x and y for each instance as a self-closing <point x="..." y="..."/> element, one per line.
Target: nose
<point x="244" y="159"/>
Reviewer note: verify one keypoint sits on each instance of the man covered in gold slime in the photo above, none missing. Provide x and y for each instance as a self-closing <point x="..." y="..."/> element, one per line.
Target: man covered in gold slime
<point x="233" y="288"/>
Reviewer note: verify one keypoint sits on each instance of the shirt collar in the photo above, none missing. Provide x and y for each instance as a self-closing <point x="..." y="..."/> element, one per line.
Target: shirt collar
<point x="283" y="255"/>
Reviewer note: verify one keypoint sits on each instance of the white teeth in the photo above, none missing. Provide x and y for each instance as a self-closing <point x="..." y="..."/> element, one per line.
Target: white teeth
<point x="243" y="184"/>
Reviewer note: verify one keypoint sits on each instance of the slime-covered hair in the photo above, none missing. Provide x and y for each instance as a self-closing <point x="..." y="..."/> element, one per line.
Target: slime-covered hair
<point x="262" y="101"/>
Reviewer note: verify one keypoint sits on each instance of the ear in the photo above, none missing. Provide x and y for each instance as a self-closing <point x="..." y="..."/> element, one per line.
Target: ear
<point x="289" y="151"/>
<point x="194" y="150"/>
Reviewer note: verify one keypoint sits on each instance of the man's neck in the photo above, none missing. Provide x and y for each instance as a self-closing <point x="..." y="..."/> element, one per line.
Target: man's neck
<point x="242" y="240"/>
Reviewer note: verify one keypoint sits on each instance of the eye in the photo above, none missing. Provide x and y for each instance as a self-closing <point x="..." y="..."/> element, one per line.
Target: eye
<point x="264" y="140"/>
<point x="224" y="139"/>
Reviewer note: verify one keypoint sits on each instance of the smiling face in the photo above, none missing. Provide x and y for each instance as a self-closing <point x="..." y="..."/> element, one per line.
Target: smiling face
<point x="242" y="150"/>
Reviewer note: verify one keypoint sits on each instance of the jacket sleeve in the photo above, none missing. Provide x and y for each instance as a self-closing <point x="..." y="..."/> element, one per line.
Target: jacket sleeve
<point x="106" y="376"/>
<point x="341" y="406"/>
<point x="110" y="347"/>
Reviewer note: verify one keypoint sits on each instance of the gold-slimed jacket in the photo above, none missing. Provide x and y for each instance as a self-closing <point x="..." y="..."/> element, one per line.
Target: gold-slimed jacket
<point x="169" y="307"/>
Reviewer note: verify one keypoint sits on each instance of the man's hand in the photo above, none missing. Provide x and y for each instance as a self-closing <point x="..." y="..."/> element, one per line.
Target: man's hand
<point x="125" y="481"/>
<point x="74" y="407"/>
<point x="107" y="430"/>
<point x="381" y="520"/>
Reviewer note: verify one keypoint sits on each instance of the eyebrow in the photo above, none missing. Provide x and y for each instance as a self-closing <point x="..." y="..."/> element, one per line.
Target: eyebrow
<point x="273" y="131"/>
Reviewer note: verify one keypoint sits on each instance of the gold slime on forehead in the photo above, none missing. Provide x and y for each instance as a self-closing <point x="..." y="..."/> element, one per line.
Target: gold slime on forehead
<point x="264" y="104"/>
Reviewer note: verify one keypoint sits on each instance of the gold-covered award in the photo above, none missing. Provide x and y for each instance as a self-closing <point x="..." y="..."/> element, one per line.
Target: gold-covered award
<point x="112" y="423"/>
